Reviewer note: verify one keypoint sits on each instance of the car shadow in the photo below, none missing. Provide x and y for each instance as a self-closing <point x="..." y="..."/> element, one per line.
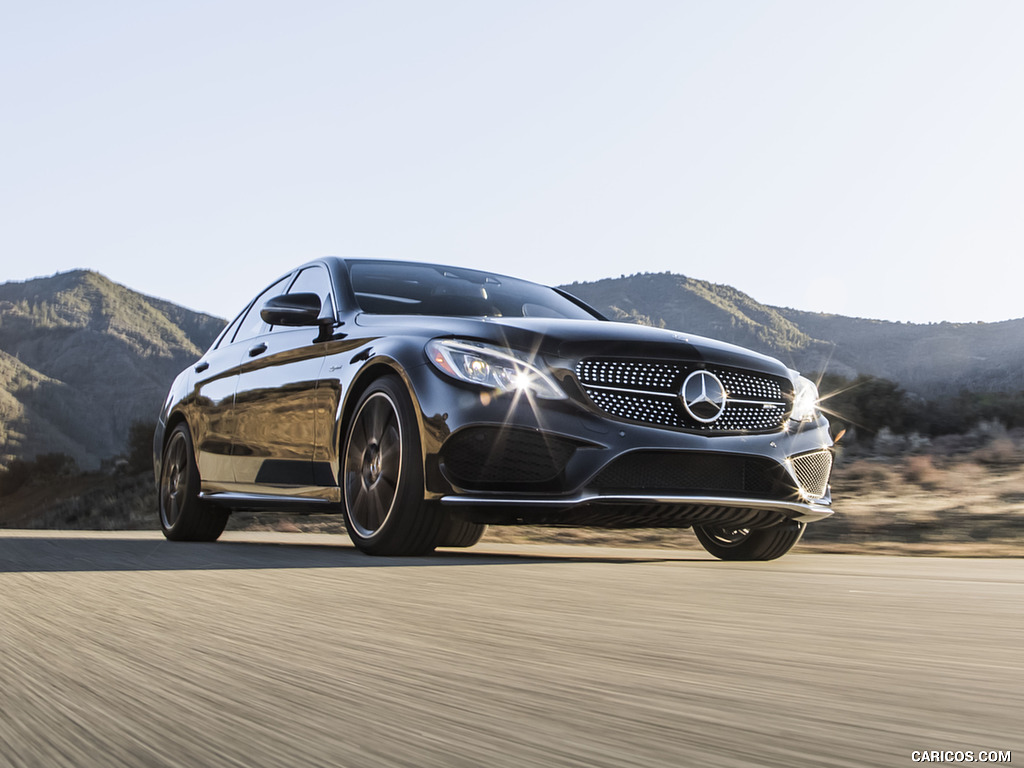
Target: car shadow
<point x="70" y="553"/>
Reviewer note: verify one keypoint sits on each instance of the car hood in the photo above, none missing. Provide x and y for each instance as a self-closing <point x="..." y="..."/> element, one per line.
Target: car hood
<point x="572" y="340"/>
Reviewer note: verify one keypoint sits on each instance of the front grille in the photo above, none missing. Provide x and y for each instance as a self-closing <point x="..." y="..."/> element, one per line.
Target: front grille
<point x="677" y="472"/>
<point x="494" y="458"/>
<point x="812" y="471"/>
<point x="649" y="393"/>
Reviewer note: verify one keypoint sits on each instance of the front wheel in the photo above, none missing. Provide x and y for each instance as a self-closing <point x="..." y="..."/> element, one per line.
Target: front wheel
<point x="749" y="543"/>
<point x="382" y="475"/>
<point x="183" y="516"/>
<point x="459" y="533"/>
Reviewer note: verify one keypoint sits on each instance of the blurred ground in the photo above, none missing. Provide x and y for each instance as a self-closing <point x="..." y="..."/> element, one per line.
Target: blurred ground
<point x="267" y="649"/>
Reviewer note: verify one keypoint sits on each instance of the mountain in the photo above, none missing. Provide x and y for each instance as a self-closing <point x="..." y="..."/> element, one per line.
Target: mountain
<point x="933" y="360"/>
<point x="682" y="303"/>
<point x="81" y="357"/>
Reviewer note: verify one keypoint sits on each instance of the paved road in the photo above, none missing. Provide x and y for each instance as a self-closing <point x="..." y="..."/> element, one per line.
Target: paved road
<point x="295" y="650"/>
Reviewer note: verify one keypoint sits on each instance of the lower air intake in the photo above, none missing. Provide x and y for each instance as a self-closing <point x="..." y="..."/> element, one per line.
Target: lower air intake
<point x="812" y="471"/>
<point x="495" y="458"/>
<point x="688" y="472"/>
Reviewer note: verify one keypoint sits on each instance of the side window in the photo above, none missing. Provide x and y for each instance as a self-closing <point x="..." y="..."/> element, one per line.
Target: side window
<point x="253" y="324"/>
<point x="229" y="332"/>
<point x="315" y="280"/>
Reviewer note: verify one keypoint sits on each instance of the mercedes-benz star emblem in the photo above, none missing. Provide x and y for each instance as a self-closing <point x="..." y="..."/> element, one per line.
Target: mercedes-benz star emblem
<point x="703" y="396"/>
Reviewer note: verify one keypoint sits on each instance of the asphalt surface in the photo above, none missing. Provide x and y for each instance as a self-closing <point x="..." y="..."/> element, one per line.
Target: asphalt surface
<point x="296" y="650"/>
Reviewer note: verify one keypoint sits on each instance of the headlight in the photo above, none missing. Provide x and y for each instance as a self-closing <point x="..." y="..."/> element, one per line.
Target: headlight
<point x="805" y="400"/>
<point x="494" y="368"/>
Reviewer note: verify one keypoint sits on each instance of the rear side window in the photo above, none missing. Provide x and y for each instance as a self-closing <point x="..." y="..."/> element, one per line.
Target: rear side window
<point x="253" y="324"/>
<point x="229" y="332"/>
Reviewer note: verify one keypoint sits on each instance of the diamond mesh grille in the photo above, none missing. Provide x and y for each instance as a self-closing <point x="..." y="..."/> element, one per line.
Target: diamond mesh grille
<point x="648" y="392"/>
<point x="647" y="408"/>
<point x="651" y="377"/>
<point x="812" y="472"/>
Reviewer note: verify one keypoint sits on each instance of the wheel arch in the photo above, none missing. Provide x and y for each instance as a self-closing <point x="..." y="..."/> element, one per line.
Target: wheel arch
<point x="176" y="418"/>
<point x="375" y="369"/>
<point x="161" y="436"/>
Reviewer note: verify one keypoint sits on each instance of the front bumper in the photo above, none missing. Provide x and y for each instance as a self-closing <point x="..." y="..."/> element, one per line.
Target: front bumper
<point x="481" y="462"/>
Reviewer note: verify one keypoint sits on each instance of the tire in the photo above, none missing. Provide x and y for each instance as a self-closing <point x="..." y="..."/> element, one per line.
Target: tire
<point x="459" y="533"/>
<point x="382" y="475"/>
<point x="183" y="516"/>
<point x="749" y="544"/>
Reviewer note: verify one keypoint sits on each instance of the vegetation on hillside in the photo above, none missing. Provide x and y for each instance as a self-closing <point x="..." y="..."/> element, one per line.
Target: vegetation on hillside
<point x="82" y="357"/>
<point x="867" y="405"/>
<point x="675" y="301"/>
<point x="45" y="468"/>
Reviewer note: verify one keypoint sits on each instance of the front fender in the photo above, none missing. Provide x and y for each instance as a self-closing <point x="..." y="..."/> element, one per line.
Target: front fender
<point x="172" y="404"/>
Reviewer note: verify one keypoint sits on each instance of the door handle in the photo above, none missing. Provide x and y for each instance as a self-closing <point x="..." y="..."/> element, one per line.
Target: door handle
<point x="202" y="367"/>
<point x="259" y="349"/>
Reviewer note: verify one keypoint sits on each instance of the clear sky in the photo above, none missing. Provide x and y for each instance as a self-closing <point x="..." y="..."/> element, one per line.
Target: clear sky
<point x="862" y="158"/>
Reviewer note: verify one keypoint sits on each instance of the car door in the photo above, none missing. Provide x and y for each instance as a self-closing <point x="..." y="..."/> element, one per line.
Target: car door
<point x="276" y="402"/>
<point x="214" y="384"/>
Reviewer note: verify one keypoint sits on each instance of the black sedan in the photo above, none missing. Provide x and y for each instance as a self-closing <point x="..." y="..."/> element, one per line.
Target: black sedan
<point x="424" y="402"/>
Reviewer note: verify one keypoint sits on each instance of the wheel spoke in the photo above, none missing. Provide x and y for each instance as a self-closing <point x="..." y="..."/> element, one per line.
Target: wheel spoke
<point x="364" y="431"/>
<point x="387" y="489"/>
<point x="377" y="417"/>
<point x="375" y="515"/>
<point x="356" y="449"/>
<point x="391" y="454"/>
<point x="361" y="505"/>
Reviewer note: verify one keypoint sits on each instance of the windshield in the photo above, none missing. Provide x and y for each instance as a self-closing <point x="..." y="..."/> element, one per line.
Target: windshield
<point x="393" y="288"/>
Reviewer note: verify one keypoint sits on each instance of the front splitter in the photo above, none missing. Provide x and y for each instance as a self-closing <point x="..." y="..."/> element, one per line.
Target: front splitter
<point x="801" y="512"/>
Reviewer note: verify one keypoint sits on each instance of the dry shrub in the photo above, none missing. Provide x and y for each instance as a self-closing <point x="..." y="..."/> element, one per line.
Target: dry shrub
<point x="953" y="445"/>
<point x="965" y="474"/>
<point x="921" y="470"/>
<point x="865" y="473"/>
<point x="1000" y="453"/>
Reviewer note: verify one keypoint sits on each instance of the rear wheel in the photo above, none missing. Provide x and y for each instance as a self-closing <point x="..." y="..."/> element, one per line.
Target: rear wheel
<point x="183" y="516"/>
<point x="749" y="543"/>
<point x="382" y="475"/>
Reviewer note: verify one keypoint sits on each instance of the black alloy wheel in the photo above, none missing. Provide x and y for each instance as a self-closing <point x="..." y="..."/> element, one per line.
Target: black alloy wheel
<point x="749" y="543"/>
<point x="382" y="475"/>
<point x="183" y="516"/>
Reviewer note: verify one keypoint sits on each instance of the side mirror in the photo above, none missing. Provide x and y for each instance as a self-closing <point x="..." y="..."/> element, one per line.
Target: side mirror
<point x="293" y="309"/>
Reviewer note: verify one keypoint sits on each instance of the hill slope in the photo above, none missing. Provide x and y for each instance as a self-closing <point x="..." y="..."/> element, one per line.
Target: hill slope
<point x="934" y="360"/>
<point x="81" y="357"/>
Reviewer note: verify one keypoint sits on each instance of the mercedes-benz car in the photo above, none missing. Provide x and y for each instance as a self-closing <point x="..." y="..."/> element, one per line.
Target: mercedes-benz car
<point x="425" y="402"/>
